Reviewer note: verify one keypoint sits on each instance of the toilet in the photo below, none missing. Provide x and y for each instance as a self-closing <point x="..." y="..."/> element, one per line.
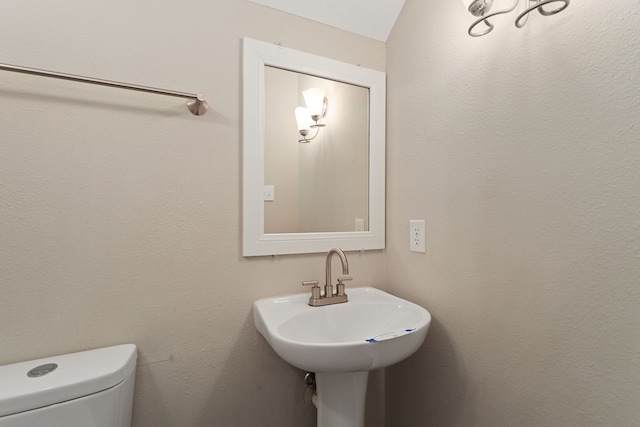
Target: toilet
<point x="88" y="389"/>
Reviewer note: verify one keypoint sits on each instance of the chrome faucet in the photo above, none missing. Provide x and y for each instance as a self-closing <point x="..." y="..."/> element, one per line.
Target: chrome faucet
<point x="317" y="299"/>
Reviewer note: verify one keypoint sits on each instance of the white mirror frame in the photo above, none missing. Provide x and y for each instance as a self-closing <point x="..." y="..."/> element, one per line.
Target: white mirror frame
<point x="257" y="55"/>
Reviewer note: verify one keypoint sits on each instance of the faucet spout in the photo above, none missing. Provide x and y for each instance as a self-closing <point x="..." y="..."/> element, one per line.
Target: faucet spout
<point x="319" y="300"/>
<point x="343" y="260"/>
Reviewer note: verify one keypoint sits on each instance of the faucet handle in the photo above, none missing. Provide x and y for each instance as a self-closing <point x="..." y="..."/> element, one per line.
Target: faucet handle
<point x="340" y="288"/>
<point x="315" y="288"/>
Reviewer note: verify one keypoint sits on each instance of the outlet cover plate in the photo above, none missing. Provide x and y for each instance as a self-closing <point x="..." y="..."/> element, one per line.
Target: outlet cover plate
<point x="417" y="236"/>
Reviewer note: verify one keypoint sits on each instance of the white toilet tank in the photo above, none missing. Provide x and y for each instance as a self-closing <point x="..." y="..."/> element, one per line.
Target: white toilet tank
<point x="88" y="389"/>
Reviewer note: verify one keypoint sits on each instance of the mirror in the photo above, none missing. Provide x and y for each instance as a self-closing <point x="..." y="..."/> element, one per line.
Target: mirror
<point x="309" y="193"/>
<point x="321" y="185"/>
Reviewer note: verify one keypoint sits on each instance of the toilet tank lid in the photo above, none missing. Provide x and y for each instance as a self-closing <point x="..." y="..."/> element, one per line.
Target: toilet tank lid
<point x="77" y="375"/>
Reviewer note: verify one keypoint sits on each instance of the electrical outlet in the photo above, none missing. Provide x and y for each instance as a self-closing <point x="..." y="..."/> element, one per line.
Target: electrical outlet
<point x="359" y="224"/>
<point x="417" y="236"/>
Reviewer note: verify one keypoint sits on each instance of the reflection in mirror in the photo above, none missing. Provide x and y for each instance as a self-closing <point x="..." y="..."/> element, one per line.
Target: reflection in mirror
<point x="319" y="184"/>
<point x="328" y="190"/>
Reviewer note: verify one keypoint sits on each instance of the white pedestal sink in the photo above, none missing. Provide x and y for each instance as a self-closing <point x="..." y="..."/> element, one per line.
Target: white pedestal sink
<point x="341" y="343"/>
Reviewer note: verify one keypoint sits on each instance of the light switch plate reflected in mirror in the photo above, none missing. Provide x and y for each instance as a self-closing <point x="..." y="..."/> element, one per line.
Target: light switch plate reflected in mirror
<point x="269" y="193"/>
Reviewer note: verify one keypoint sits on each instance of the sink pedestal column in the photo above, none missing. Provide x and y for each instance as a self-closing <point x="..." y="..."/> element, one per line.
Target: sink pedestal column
<point x="341" y="398"/>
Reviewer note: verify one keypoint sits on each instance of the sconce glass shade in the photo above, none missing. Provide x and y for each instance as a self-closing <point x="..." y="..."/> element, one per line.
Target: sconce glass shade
<point x="303" y="119"/>
<point x="314" y="98"/>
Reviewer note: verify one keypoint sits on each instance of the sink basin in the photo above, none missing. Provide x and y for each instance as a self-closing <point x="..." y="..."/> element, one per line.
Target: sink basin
<point x="341" y="343"/>
<point x="372" y="330"/>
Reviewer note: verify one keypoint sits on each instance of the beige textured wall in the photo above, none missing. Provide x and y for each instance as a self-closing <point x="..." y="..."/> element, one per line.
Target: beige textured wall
<point x="522" y="152"/>
<point x="120" y="211"/>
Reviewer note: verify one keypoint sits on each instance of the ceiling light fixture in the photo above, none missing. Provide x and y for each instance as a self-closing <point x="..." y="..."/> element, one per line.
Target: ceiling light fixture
<point x="481" y="9"/>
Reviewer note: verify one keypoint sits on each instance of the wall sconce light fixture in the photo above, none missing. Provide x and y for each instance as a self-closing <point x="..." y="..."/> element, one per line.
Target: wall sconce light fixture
<point x="309" y="118"/>
<point x="481" y="9"/>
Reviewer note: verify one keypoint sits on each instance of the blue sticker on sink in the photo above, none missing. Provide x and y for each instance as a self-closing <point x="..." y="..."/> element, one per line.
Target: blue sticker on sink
<point x="390" y="335"/>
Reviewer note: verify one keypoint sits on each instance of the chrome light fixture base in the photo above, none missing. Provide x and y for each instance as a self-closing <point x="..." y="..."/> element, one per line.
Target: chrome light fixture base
<point x="481" y="8"/>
